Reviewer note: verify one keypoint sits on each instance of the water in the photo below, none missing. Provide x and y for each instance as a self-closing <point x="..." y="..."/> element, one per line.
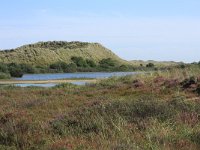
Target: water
<point x="55" y="76"/>
<point x="37" y="85"/>
<point x="46" y="85"/>
<point x="92" y="75"/>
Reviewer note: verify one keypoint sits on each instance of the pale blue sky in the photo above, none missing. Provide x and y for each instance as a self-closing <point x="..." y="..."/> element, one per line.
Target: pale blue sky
<point x="133" y="29"/>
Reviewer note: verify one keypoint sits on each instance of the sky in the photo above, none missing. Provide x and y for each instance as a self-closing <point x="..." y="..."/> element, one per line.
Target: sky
<point x="162" y="30"/>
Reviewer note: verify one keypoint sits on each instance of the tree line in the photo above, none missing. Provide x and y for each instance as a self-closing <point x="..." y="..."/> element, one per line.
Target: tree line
<point x="78" y="64"/>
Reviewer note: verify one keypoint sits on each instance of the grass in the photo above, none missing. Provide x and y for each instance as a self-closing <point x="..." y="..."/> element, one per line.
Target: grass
<point x="46" y="53"/>
<point x="146" y="111"/>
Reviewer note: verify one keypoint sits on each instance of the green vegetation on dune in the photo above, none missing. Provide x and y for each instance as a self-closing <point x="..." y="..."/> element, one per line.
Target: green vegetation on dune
<point x="15" y="70"/>
<point x="46" y="53"/>
<point x="78" y="64"/>
<point x="156" y="110"/>
<point x="58" y="57"/>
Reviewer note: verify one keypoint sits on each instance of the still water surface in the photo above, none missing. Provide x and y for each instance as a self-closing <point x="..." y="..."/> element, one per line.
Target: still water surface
<point x="50" y="84"/>
<point x="92" y="75"/>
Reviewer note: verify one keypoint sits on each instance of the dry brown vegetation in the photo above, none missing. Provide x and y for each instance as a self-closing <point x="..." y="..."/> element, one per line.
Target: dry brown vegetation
<point x="158" y="110"/>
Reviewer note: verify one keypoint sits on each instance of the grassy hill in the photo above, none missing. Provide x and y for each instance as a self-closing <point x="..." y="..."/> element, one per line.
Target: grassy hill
<point x="45" y="53"/>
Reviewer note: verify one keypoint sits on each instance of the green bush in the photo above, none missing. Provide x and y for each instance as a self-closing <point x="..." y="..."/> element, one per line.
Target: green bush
<point x="15" y="70"/>
<point x="59" y="66"/>
<point x="4" y="75"/>
<point x="107" y="63"/>
<point x="3" y="68"/>
<point x="27" y="68"/>
<point x="79" y="61"/>
<point x="91" y="63"/>
<point x="150" y="65"/>
<point x="63" y="67"/>
<point x="66" y="85"/>
<point x="123" y="68"/>
<point x="182" y="66"/>
<point x="71" y="68"/>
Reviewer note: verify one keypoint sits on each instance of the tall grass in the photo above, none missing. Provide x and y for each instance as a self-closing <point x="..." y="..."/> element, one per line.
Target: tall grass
<point x="132" y="112"/>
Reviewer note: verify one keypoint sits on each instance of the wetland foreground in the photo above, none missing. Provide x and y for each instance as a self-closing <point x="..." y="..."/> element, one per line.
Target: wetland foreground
<point x="146" y="111"/>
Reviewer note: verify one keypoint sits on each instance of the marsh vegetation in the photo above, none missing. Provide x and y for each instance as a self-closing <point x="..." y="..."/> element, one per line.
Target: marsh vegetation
<point x="159" y="110"/>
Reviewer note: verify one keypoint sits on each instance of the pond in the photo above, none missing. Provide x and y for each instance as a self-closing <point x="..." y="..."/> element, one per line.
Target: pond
<point x="79" y="76"/>
<point x="92" y="75"/>
<point x="49" y="84"/>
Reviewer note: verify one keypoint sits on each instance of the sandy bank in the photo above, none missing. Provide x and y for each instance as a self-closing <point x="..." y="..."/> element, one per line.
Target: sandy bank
<point x="44" y="81"/>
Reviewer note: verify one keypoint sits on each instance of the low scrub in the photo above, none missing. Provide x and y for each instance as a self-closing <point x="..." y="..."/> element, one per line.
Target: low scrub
<point x="4" y="76"/>
<point x="146" y="111"/>
<point x="86" y="120"/>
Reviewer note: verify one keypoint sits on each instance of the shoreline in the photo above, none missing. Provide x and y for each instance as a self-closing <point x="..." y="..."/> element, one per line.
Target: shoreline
<point x="3" y="82"/>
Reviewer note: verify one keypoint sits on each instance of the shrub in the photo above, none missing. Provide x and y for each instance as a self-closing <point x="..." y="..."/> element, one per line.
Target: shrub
<point x="188" y="82"/>
<point x="59" y="66"/>
<point x="71" y="68"/>
<point x="42" y="69"/>
<point x="150" y="65"/>
<point x="182" y="66"/>
<point x="107" y="63"/>
<point x="4" y="75"/>
<point x="3" y="68"/>
<point x="91" y="63"/>
<point x="15" y="70"/>
<point x="124" y="68"/>
<point x="55" y="66"/>
<point x="66" y="85"/>
<point x="27" y="68"/>
<point x="79" y="61"/>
